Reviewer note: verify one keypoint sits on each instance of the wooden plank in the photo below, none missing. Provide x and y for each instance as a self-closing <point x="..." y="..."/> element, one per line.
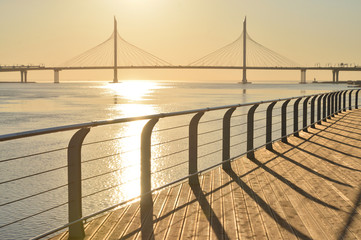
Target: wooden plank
<point x="244" y="227"/>
<point x="105" y="227"/>
<point x="255" y="217"/>
<point x="177" y="220"/>
<point x="123" y="223"/>
<point x="191" y="215"/>
<point x="228" y="207"/>
<point x="163" y="221"/>
<point x="204" y="209"/>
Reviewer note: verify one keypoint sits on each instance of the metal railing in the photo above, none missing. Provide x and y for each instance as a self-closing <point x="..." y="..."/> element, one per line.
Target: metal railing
<point x="314" y="109"/>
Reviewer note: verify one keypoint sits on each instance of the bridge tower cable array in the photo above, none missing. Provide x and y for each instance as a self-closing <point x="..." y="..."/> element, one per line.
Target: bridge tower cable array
<point x="114" y="53"/>
<point x="245" y="53"/>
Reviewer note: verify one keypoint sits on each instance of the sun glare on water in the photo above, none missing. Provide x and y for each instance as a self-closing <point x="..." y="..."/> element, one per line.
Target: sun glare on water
<point x="133" y="90"/>
<point x="131" y="97"/>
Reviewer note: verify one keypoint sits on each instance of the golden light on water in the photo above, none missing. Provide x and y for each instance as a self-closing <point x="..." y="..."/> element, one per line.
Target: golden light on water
<point x="130" y="103"/>
<point x="133" y="90"/>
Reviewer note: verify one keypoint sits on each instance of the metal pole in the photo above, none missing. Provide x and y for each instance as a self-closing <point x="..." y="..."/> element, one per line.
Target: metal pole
<point x="284" y="121"/>
<point x="295" y="117"/>
<point x="227" y="138"/>
<point x="344" y="101"/>
<point x="250" y="131"/>
<point x="350" y="100"/>
<point x="332" y="105"/>
<point x="329" y="105"/>
<point x="356" y="99"/>
<point x="319" y="103"/>
<point x="76" y="230"/>
<point x="313" y="111"/>
<point x="339" y="102"/>
<point x="305" y="102"/>
<point x="193" y="148"/>
<point x="324" y="106"/>
<point x="269" y="126"/>
<point x="146" y="201"/>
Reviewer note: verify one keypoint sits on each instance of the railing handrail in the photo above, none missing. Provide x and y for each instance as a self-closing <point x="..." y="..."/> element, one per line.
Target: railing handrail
<point x="25" y="134"/>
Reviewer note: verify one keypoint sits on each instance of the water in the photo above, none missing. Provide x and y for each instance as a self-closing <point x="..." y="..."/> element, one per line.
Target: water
<point x="110" y="154"/>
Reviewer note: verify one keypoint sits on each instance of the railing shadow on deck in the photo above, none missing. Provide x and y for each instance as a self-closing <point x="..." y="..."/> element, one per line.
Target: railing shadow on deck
<point x="266" y="207"/>
<point x="321" y="107"/>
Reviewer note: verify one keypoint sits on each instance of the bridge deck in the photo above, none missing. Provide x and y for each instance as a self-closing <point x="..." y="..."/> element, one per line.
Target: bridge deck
<point x="309" y="188"/>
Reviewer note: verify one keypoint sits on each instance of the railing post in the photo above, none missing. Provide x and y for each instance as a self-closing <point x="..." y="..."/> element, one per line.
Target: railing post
<point x="324" y="107"/>
<point x="344" y="101"/>
<point x="313" y="111"/>
<point x="329" y="105"/>
<point x="305" y="102"/>
<point x="76" y="231"/>
<point x="319" y="102"/>
<point x="350" y="100"/>
<point x="336" y="103"/>
<point x="284" y="121"/>
<point x="227" y="138"/>
<point x="250" y="131"/>
<point x="295" y="117"/>
<point x="339" y="102"/>
<point x="356" y="99"/>
<point x="146" y="201"/>
<point x="193" y="148"/>
<point x="269" y="126"/>
<point x="332" y="112"/>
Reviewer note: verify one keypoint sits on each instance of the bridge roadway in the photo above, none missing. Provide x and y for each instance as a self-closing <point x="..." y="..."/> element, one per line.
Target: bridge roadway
<point x="24" y="69"/>
<point x="17" y="69"/>
<point x="308" y="188"/>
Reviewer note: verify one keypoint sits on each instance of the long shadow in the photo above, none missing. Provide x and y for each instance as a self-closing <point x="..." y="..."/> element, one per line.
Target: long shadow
<point x="340" y="142"/>
<point x="341" y="135"/>
<point x="199" y="195"/>
<point x="309" y="169"/>
<point x="343" y="130"/>
<point x="292" y="185"/>
<point x="272" y="213"/>
<point x="208" y="211"/>
<point x="348" y="126"/>
<point x="332" y="149"/>
<point x="350" y="219"/>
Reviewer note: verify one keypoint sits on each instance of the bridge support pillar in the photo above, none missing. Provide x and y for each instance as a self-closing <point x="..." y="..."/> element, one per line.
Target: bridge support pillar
<point x="337" y="71"/>
<point x="333" y="76"/>
<point x="303" y="76"/>
<point x="56" y="75"/>
<point x="24" y="76"/>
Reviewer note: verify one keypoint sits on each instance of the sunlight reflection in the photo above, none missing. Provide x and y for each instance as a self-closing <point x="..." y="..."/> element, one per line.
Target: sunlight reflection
<point x="128" y="145"/>
<point x="134" y="90"/>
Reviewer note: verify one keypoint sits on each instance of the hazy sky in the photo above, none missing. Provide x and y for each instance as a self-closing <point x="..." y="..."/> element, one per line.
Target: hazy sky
<point x="180" y="31"/>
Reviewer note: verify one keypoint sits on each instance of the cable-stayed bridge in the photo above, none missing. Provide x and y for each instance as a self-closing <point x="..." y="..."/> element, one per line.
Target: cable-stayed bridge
<point x="116" y="53"/>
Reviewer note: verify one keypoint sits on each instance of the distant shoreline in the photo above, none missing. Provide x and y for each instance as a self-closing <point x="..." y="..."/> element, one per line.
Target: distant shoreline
<point x="16" y="82"/>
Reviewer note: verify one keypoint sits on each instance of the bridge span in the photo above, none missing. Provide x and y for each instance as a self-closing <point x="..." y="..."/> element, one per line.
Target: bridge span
<point x="242" y="54"/>
<point x="24" y="69"/>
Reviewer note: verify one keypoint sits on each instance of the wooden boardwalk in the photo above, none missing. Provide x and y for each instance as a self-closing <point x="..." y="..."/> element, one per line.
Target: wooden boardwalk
<point x="309" y="188"/>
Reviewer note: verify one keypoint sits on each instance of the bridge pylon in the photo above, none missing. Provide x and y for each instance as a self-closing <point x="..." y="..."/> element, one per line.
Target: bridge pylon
<point x="115" y="79"/>
<point x="244" y="71"/>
